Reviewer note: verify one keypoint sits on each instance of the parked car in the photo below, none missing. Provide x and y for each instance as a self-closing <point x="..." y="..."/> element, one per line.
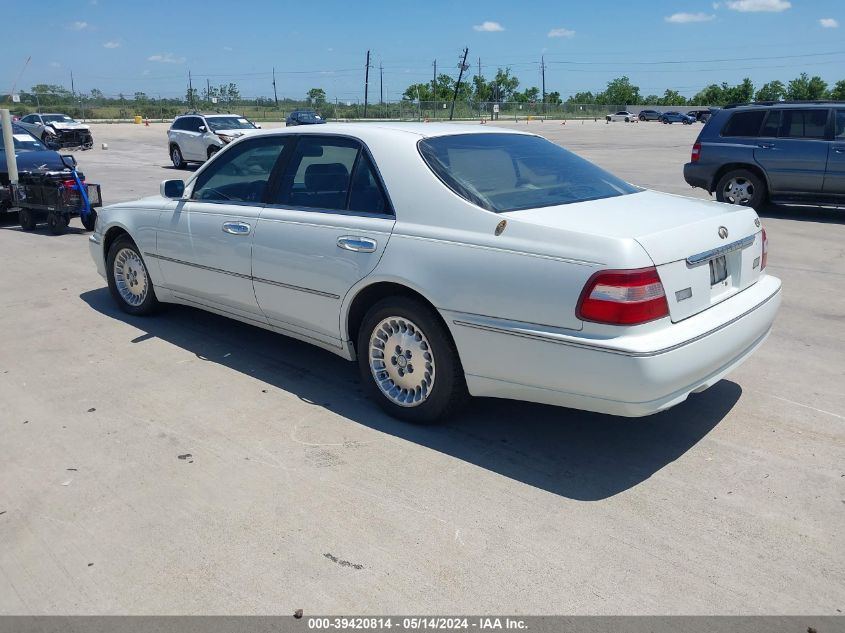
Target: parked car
<point x="700" y="115"/>
<point x="676" y="117"/>
<point x="58" y="130"/>
<point x="451" y="260"/>
<point x="46" y="187"/>
<point x="649" y="115"/>
<point x="195" y="137"/>
<point x="777" y="153"/>
<point x="622" y="115"/>
<point x="303" y="117"/>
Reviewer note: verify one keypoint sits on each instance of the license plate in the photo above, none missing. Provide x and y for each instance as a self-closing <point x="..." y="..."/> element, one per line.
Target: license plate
<point x="718" y="270"/>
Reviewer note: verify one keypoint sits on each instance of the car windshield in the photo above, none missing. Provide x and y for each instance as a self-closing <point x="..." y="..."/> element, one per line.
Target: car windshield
<point x="24" y="142"/>
<point x="308" y="116"/>
<point x="508" y="172"/>
<point x="229" y="123"/>
<point x="57" y="118"/>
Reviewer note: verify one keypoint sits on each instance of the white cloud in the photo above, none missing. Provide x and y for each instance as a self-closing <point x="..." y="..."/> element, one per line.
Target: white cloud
<point x="716" y="6"/>
<point x="561" y="33"/>
<point x="111" y="44"/>
<point x="829" y="23"/>
<point x="686" y="18"/>
<point x="489" y="27"/>
<point x="752" y="6"/>
<point x="228" y="49"/>
<point x="55" y="65"/>
<point x="77" y="26"/>
<point x="166" y="58"/>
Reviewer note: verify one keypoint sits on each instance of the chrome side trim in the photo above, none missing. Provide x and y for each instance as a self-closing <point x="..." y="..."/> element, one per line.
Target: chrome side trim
<point x="706" y="256"/>
<point x="242" y="276"/>
<point x="611" y="350"/>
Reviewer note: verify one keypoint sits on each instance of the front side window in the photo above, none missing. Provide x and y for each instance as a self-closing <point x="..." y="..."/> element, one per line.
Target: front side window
<point x="319" y="173"/>
<point x="744" y="123"/>
<point x="508" y="172"/>
<point x="240" y="174"/>
<point x="771" y="127"/>
<point x="804" y="123"/>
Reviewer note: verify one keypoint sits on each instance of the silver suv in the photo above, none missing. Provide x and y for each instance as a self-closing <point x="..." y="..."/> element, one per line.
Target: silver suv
<point x="195" y="137"/>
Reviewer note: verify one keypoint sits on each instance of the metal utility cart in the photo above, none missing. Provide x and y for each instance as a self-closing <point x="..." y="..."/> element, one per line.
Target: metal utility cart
<point x="54" y="197"/>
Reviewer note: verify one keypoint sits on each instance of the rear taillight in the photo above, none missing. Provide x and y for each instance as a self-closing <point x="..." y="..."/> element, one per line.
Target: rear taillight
<point x="623" y="297"/>
<point x="696" y="153"/>
<point x="764" y="258"/>
<point x="70" y="183"/>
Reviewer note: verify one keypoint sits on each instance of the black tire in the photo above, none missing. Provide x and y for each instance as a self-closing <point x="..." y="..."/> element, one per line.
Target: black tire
<point x="642" y="117"/>
<point x="27" y="219"/>
<point x="91" y="221"/>
<point x="746" y="180"/>
<point x="45" y="138"/>
<point x="149" y="304"/>
<point x="176" y="157"/>
<point x="212" y="151"/>
<point x="57" y="223"/>
<point x="448" y="390"/>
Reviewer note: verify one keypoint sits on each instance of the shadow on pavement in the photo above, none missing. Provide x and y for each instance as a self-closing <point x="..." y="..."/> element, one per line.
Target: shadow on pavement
<point x="583" y="456"/>
<point x="823" y="215"/>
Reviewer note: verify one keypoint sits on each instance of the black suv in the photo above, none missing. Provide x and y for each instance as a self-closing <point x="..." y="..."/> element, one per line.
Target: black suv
<point x="303" y="117"/>
<point x="777" y="152"/>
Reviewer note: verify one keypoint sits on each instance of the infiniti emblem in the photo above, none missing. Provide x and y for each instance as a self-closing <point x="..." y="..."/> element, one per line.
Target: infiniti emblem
<point x="723" y="232"/>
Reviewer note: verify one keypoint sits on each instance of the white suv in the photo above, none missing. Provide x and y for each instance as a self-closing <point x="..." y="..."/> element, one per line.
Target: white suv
<point x="194" y="138"/>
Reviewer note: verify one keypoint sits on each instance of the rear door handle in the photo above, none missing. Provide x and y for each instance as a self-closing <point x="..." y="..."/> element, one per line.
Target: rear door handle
<point x="766" y="145"/>
<point x="839" y="149"/>
<point x="236" y="228"/>
<point x="357" y="244"/>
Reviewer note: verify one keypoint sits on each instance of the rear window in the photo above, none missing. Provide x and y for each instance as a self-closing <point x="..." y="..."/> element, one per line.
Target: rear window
<point x="804" y="123"/>
<point x="744" y="123"/>
<point x="508" y="172"/>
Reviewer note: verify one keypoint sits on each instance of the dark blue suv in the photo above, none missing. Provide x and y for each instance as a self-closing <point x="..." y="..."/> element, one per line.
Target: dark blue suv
<point x="776" y="152"/>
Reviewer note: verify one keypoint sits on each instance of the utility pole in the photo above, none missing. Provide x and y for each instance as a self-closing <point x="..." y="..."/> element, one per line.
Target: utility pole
<point x="434" y="88"/>
<point x="381" y="83"/>
<point x="72" y="89"/>
<point x="366" y="83"/>
<point x="463" y="66"/>
<point x="208" y="89"/>
<point x="275" y="94"/>
<point x="543" y="72"/>
<point x="190" y="92"/>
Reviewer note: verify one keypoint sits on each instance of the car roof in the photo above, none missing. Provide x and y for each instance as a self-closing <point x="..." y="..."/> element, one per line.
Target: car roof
<point x="399" y="129"/>
<point x="783" y="104"/>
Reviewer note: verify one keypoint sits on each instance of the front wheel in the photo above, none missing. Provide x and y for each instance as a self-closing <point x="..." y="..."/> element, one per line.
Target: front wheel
<point x="642" y="118"/>
<point x="27" y="219"/>
<point x="129" y="282"/>
<point x="408" y="362"/>
<point x="741" y="187"/>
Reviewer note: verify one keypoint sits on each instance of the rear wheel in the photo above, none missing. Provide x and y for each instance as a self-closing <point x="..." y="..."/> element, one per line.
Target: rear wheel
<point x="57" y="223"/>
<point x="129" y="282"/>
<point x="176" y="157"/>
<point x="408" y="361"/>
<point x="741" y="187"/>
<point x="27" y="219"/>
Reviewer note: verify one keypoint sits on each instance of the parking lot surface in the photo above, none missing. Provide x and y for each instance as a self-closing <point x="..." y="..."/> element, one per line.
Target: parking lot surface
<point x="187" y="464"/>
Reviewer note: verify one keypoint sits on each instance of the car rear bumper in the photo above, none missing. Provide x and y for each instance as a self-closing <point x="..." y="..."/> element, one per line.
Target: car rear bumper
<point x="698" y="175"/>
<point x="634" y="375"/>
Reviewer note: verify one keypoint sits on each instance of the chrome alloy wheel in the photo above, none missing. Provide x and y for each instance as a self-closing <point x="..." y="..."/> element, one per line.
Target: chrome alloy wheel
<point x="130" y="276"/>
<point x="401" y="361"/>
<point x="739" y="191"/>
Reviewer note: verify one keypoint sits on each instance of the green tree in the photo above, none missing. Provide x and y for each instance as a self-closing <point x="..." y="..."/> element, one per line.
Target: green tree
<point x="741" y="93"/>
<point x="711" y="95"/>
<point x="619" y="91"/>
<point x="772" y="91"/>
<point x="650" y="100"/>
<point x="317" y="96"/>
<point x="838" y="91"/>
<point x="140" y="97"/>
<point x="553" y="98"/>
<point x="672" y="98"/>
<point x="805" y="88"/>
<point x="582" y="97"/>
<point x="480" y="89"/>
<point x="504" y="85"/>
<point x="421" y="91"/>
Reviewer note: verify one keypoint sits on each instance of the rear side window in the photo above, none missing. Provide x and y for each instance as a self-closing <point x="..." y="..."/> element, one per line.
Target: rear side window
<point x="771" y="127"/>
<point x="319" y="172"/>
<point x="804" y="124"/>
<point x="744" y="123"/>
<point x="365" y="194"/>
<point x="178" y="124"/>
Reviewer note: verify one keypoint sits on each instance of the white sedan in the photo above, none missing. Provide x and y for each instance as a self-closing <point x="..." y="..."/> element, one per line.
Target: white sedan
<point x="623" y="115"/>
<point x="451" y="261"/>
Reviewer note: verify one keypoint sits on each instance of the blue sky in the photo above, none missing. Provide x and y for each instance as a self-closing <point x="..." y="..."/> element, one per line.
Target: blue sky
<point x="120" y="46"/>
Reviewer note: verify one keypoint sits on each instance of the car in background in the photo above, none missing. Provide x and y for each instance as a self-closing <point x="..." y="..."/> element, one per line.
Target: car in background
<point x="195" y="137"/>
<point x="779" y="153"/>
<point x="303" y="117"/>
<point x="676" y="117"/>
<point x="450" y="260"/>
<point x="649" y="115"/>
<point x="700" y="115"/>
<point x="58" y="130"/>
<point x="622" y="115"/>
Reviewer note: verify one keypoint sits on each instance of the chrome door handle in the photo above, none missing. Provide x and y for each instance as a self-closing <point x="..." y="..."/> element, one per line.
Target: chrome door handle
<point x="766" y="145"/>
<point x="236" y="228"/>
<point x="840" y="149"/>
<point x="357" y="244"/>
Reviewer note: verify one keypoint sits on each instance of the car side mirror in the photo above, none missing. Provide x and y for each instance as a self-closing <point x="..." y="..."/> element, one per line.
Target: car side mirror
<point x="257" y="126"/>
<point x="202" y="128"/>
<point x="69" y="161"/>
<point x="173" y="189"/>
